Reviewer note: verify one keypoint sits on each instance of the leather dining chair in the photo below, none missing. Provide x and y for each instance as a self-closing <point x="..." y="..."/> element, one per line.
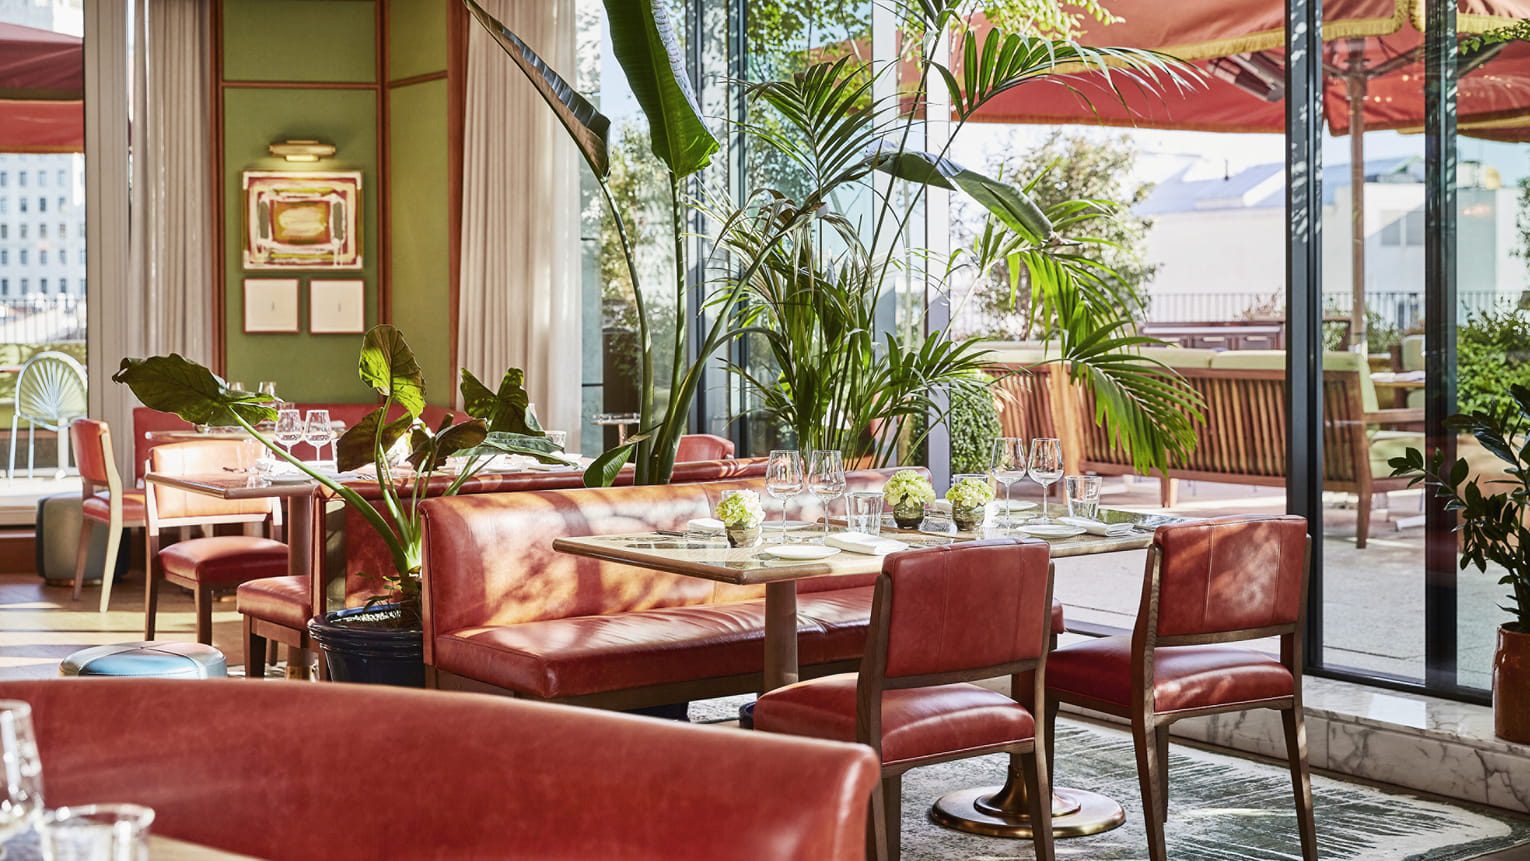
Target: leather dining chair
<point x="275" y="610"/>
<point x="105" y="501"/>
<point x="216" y="561"/>
<point x="1209" y="584"/>
<point x="941" y="619"/>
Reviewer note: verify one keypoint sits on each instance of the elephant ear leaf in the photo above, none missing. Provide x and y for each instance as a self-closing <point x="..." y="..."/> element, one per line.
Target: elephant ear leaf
<point x="603" y="470"/>
<point x="175" y="384"/>
<point x="589" y="128"/>
<point x="643" y="38"/>
<point x="507" y="410"/>
<point x="496" y="443"/>
<point x="357" y="447"/>
<point x="389" y="367"/>
<point x="1009" y="204"/>
<point x="432" y="450"/>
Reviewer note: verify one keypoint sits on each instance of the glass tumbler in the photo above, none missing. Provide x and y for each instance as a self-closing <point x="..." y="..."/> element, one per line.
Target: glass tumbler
<point x="96" y="832"/>
<point x="1083" y="493"/>
<point x="864" y="511"/>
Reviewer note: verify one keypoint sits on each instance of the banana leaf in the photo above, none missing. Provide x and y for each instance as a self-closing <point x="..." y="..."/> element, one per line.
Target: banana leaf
<point x="643" y="38"/>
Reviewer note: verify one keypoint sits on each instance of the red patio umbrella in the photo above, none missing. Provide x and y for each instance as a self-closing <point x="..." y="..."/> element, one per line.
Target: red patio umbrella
<point x="42" y="87"/>
<point x="1373" y="56"/>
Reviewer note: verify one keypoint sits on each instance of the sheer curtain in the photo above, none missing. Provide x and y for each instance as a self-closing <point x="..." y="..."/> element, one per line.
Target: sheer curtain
<point x="518" y="303"/>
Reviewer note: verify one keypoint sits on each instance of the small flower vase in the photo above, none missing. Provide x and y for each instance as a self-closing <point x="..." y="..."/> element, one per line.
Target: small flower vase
<point x="908" y="515"/>
<point x="968" y="519"/>
<point x="743" y="536"/>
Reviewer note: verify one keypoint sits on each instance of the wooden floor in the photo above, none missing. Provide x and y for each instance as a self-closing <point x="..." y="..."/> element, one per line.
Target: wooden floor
<point x="40" y="625"/>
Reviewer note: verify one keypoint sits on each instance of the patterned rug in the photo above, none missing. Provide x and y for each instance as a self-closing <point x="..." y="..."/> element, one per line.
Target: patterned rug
<point x="1221" y="808"/>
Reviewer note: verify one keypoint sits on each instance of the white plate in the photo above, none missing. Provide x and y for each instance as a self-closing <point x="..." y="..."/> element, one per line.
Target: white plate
<point x="289" y="478"/>
<point x="1049" y="530"/>
<point x="773" y="525"/>
<point x="1016" y="505"/>
<point x="801" y="552"/>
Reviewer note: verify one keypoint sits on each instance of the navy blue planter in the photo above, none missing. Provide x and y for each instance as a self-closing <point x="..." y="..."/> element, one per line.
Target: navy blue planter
<point x="370" y="654"/>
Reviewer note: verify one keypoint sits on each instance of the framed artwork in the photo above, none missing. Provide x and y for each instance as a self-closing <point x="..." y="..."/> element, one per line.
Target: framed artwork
<point x="302" y="220"/>
<point x="337" y="307"/>
<point x="270" y="305"/>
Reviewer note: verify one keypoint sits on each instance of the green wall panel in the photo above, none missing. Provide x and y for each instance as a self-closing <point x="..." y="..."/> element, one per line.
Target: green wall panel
<point x="305" y="367"/>
<point x="420" y="251"/>
<point x="416" y="37"/>
<point x="300" y="40"/>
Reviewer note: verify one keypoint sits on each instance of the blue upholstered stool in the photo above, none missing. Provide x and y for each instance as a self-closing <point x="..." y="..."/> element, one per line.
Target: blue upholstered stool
<point x="157" y="659"/>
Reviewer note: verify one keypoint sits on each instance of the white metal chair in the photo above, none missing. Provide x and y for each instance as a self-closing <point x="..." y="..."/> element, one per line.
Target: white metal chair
<point x="50" y="393"/>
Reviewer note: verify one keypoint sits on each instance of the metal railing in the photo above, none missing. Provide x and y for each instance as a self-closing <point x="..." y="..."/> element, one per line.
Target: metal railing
<point x="38" y="319"/>
<point x="1400" y="308"/>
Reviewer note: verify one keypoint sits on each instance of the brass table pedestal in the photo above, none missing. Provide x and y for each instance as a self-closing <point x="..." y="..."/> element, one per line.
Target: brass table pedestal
<point x="1001" y="811"/>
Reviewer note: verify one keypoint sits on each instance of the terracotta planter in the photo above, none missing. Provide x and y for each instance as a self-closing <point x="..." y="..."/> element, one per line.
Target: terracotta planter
<point x="1511" y="686"/>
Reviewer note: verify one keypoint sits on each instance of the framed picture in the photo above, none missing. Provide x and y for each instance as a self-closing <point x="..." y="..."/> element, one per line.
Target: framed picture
<point x="270" y="305"/>
<point x="302" y="220"/>
<point x="337" y="307"/>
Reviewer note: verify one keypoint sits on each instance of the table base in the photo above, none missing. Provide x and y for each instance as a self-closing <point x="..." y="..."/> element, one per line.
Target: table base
<point x="1075" y="813"/>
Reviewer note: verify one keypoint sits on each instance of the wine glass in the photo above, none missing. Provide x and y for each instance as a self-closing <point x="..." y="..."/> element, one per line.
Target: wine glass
<point x="289" y="429"/>
<point x="1007" y="464"/>
<point x="784" y="479"/>
<point x="317" y="431"/>
<point x="1046" y="467"/>
<point x="21" y="792"/>
<point x="826" y="479"/>
<point x="267" y="388"/>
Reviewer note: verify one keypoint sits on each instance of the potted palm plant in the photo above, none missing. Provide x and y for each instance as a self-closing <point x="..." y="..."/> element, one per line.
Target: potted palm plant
<point x="1495" y="530"/>
<point x="380" y="642"/>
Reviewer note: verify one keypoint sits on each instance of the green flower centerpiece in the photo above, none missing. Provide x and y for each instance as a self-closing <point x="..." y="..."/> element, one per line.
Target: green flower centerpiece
<point x="908" y="492"/>
<point x="741" y="514"/>
<point x="969" y="497"/>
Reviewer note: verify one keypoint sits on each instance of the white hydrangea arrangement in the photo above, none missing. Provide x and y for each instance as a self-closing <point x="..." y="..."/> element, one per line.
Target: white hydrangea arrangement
<point x="741" y="510"/>
<point x="908" y="487"/>
<point x="970" y="493"/>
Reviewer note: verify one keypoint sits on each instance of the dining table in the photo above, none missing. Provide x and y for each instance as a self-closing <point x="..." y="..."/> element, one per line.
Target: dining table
<point x="991" y="810"/>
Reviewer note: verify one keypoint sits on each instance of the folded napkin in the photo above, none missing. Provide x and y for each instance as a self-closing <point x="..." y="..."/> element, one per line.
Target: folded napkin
<point x="860" y="542"/>
<point x="704" y="524"/>
<point x="1095" y="527"/>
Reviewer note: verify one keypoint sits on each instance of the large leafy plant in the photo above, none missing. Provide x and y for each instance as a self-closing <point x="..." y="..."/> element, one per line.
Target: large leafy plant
<point x="1494" y="526"/>
<point x="499" y="422"/>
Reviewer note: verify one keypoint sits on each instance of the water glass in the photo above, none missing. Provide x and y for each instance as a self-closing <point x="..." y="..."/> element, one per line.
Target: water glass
<point x="21" y="795"/>
<point x="96" y="832"/>
<point x="1007" y="465"/>
<point x="826" y="479"/>
<point x="289" y="429"/>
<point x="318" y="432"/>
<point x="1045" y="467"/>
<point x="267" y="388"/>
<point x="557" y="438"/>
<point x="864" y="511"/>
<point x="784" y="479"/>
<point x="1083" y="493"/>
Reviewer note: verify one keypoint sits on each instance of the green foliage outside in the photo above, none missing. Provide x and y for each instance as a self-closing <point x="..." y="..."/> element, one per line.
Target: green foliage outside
<point x="1492" y="355"/>
<point x="973" y="425"/>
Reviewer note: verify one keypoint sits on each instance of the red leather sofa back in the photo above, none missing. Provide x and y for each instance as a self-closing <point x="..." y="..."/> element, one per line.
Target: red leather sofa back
<point x="376" y="772"/>
<point x="489" y="559"/>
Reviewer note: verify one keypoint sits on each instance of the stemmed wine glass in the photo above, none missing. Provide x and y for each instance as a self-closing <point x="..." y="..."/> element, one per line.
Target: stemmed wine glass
<point x="289" y="429"/>
<point x="1046" y="467"/>
<point x="784" y="479"/>
<point x="1007" y="464"/>
<point x="21" y="787"/>
<point x="826" y="478"/>
<point x="317" y="432"/>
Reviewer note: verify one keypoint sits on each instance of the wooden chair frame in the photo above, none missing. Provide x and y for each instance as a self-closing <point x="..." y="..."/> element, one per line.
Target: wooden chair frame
<point x="116" y="524"/>
<point x="1150" y="729"/>
<point x="1028" y="758"/>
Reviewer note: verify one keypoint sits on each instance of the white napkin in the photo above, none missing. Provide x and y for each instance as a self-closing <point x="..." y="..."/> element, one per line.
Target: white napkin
<point x="704" y="524"/>
<point x="1095" y="527"/>
<point x="860" y="542"/>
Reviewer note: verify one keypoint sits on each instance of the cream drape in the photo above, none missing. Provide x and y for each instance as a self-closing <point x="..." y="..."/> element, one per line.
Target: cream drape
<point x="518" y="302"/>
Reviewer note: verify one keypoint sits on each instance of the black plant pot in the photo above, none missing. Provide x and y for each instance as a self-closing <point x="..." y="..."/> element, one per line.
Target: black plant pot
<point x="365" y="645"/>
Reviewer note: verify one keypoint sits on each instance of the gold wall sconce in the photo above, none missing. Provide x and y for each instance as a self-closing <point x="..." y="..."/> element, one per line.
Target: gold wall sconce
<point x="301" y="150"/>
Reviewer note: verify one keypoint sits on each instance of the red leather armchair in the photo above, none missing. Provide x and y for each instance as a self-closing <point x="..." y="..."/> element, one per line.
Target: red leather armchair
<point x="703" y="446"/>
<point x="389" y="773"/>
<point x="1209" y="585"/>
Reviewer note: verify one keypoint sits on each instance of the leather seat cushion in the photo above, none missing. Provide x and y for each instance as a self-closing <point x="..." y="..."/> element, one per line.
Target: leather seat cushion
<point x="916" y="722"/>
<point x="224" y="560"/>
<point x="557" y="658"/>
<point x="98" y="507"/>
<point x="1184" y="677"/>
<point x="285" y="601"/>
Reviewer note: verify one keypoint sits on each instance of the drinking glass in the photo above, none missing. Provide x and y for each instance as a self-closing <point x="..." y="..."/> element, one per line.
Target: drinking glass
<point x="864" y="511"/>
<point x="784" y="479"/>
<point x="557" y="438"/>
<point x="1083" y="493"/>
<point x="267" y="388"/>
<point x="826" y="478"/>
<point x="1007" y="464"/>
<point x="96" y="832"/>
<point x="1046" y="467"/>
<point x="21" y="795"/>
<point x="317" y="431"/>
<point x="289" y="429"/>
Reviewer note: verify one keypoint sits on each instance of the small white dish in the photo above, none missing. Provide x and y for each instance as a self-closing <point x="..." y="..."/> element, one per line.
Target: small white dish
<point x="1013" y="506"/>
<point x="1051" y="530"/>
<point x="800" y="552"/>
<point x="288" y="478"/>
